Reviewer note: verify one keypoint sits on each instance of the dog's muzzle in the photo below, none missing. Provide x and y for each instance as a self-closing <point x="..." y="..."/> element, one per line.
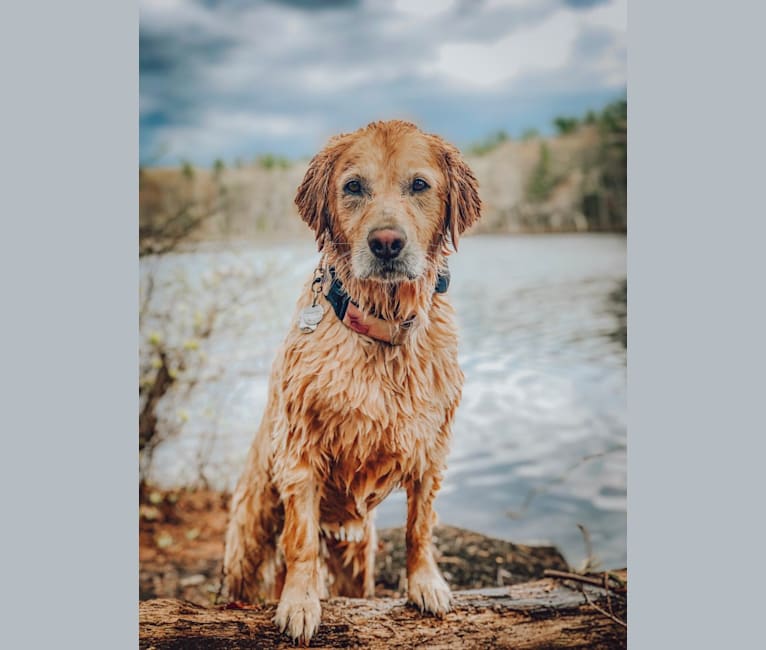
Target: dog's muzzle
<point x="386" y="243"/>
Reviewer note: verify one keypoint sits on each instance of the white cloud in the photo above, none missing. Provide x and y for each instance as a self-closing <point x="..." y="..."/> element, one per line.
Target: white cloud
<point x="255" y="124"/>
<point x="169" y="12"/>
<point x="546" y="46"/>
<point x="503" y="4"/>
<point x="323" y="78"/>
<point x="147" y="104"/>
<point x="223" y="78"/>
<point x="423" y="8"/>
<point x="613" y="16"/>
<point x="222" y="131"/>
<point x="326" y="79"/>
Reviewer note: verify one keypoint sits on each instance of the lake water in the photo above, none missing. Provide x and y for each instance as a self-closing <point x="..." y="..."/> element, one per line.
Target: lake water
<point x="539" y="443"/>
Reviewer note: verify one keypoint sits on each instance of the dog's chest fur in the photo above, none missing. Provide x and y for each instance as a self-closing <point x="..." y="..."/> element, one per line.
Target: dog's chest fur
<point x="368" y="416"/>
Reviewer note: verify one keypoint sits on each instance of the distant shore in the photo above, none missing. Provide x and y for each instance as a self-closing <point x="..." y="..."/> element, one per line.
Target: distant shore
<point x="573" y="182"/>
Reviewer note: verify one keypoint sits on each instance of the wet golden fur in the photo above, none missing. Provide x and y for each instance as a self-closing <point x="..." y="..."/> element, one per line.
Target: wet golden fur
<point x="348" y="418"/>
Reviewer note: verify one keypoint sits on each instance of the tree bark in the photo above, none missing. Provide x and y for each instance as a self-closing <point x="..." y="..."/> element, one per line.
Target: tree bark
<point x="546" y="613"/>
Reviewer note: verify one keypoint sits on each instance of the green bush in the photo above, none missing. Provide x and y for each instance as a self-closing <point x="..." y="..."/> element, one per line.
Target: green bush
<point x="614" y="117"/>
<point x="542" y="181"/>
<point x="613" y="128"/>
<point x="187" y="170"/>
<point x="565" y="125"/>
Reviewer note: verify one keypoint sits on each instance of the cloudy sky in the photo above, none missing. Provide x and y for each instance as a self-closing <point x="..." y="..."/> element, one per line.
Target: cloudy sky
<point x="237" y="78"/>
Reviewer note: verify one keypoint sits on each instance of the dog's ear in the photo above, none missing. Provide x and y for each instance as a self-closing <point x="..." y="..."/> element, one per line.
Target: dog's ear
<point x="314" y="195"/>
<point x="463" y="203"/>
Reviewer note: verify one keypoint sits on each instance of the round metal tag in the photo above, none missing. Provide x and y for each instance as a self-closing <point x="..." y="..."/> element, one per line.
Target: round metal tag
<point x="310" y="318"/>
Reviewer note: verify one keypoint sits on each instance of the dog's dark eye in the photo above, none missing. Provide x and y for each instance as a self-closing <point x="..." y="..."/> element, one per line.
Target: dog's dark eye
<point x="353" y="187"/>
<point x="418" y="185"/>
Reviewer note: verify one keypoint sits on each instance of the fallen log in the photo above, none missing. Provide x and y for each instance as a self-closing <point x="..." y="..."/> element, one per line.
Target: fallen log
<point x="548" y="613"/>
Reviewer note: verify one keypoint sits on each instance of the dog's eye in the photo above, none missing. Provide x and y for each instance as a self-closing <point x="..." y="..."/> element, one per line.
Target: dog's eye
<point x="353" y="187"/>
<point x="418" y="185"/>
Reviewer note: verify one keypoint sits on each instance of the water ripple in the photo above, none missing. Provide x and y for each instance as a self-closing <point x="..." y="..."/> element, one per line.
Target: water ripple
<point x="539" y="440"/>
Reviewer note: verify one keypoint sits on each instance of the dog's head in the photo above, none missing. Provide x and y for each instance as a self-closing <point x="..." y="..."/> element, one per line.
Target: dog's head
<point x="386" y="199"/>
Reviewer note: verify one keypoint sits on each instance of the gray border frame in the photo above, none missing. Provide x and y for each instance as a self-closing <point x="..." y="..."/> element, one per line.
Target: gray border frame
<point x="69" y="332"/>
<point x="696" y="323"/>
<point x="69" y="328"/>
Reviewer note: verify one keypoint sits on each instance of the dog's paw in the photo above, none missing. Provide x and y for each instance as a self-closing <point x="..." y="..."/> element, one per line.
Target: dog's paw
<point x="298" y="617"/>
<point x="429" y="591"/>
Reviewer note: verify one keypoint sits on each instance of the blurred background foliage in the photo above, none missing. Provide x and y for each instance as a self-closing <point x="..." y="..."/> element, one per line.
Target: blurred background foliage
<point x="573" y="181"/>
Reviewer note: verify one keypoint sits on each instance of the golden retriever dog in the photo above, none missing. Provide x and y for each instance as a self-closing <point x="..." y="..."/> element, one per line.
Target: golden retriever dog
<point x="364" y="390"/>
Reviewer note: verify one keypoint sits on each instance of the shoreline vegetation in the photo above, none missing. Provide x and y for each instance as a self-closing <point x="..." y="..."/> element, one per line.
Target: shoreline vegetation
<point x="574" y="181"/>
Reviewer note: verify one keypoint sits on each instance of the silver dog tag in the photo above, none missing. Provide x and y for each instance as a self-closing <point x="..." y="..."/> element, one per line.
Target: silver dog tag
<point x="310" y="318"/>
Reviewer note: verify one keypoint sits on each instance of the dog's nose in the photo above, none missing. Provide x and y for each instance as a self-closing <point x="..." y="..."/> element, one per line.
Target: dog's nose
<point x="386" y="243"/>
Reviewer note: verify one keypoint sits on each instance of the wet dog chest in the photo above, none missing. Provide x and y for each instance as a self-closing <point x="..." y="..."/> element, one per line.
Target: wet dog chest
<point x="384" y="398"/>
<point x="379" y="425"/>
<point x="359" y="383"/>
<point x="349" y="496"/>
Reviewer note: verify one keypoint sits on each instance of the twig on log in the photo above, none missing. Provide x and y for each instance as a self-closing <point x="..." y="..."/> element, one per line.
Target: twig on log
<point x="617" y="579"/>
<point x="608" y="592"/>
<point x="576" y="577"/>
<point x="601" y="610"/>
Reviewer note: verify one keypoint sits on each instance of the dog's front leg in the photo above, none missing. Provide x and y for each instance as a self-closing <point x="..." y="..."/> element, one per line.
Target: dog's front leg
<point x="298" y="612"/>
<point x="425" y="585"/>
